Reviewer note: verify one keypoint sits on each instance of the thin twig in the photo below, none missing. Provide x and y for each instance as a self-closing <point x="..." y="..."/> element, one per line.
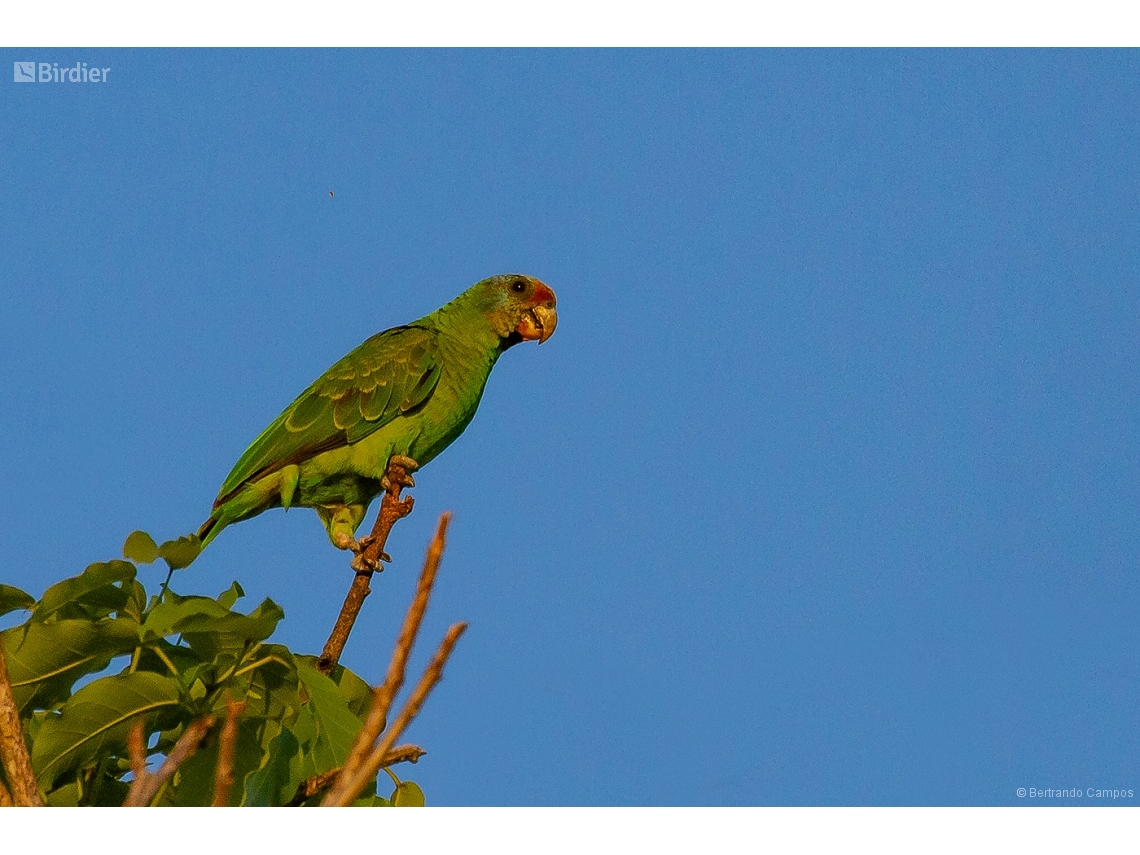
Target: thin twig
<point x="143" y="791"/>
<point x="347" y="788"/>
<point x="136" y="750"/>
<point x="397" y="668"/>
<point x="317" y="783"/>
<point x="224" y="775"/>
<point x="392" y="508"/>
<point x="382" y="696"/>
<point x="24" y="789"/>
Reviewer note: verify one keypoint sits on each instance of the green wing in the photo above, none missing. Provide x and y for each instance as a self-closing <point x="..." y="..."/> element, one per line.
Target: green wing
<point x="393" y="372"/>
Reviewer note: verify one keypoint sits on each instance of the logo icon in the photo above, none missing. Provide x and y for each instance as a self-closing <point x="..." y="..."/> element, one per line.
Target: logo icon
<point x="24" y="72"/>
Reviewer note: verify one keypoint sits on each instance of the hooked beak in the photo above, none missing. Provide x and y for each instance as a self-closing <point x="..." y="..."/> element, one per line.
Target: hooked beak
<point x="539" y="321"/>
<point x="538" y="324"/>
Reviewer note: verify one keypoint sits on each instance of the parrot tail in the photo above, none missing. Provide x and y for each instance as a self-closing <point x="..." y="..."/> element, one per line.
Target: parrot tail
<point x="209" y="530"/>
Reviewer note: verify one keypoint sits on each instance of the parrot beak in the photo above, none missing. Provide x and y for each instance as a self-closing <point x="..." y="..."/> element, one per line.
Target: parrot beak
<point x="539" y="321"/>
<point x="547" y="320"/>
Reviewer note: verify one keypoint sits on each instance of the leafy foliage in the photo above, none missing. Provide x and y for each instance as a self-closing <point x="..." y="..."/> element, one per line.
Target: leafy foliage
<point x="97" y="655"/>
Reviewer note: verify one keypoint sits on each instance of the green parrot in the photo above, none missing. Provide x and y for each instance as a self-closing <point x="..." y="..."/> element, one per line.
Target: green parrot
<point x="405" y="393"/>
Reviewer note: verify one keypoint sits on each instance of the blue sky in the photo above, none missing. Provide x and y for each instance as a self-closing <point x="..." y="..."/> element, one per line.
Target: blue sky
<point x="825" y="490"/>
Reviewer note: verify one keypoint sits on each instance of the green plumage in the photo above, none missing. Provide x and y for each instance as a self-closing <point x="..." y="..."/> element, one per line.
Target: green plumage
<point x="409" y="391"/>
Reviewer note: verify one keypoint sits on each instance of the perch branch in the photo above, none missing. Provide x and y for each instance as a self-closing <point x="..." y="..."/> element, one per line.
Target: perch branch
<point x="24" y="790"/>
<point x="318" y="783"/>
<point x="5" y="796"/>
<point x="146" y="788"/>
<point x="348" y="788"/>
<point x="392" y="508"/>
<point x="224" y="774"/>
<point x="382" y="696"/>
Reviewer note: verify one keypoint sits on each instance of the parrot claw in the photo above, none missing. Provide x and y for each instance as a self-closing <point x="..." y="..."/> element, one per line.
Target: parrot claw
<point x="362" y="563"/>
<point x="365" y="565"/>
<point x="405" y="461"/>
<point x="404" y="478"/>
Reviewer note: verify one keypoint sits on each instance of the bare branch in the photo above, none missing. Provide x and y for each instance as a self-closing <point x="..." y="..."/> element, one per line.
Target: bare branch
<point x="224" y="776"/>
<point x="317" y="783"/>
<point x="392" y="508"/>
<point x="397" y="668"/>
<point x="403" y="754"/>
<point x="136" y="749"/>
<point x="24" y="789"/>
<point x="5" y="796"/>
<point x="347" y="787"/>
<point x="142" y="792"/>
<point x="383" y="695"/>
<point x="353" y="602"/>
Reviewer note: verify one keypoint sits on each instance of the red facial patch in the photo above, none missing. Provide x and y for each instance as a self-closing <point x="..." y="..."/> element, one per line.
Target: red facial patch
<point x="542" y="293"/>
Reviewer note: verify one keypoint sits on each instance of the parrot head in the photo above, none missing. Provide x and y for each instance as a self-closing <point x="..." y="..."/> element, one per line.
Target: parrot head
<point x="519" y="308"/>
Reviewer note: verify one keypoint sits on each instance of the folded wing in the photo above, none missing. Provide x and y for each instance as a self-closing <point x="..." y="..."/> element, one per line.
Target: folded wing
<point x="390" y="374"/>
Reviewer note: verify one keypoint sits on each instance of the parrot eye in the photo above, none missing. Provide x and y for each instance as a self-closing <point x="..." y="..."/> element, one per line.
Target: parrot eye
<point x="518" y="286"/>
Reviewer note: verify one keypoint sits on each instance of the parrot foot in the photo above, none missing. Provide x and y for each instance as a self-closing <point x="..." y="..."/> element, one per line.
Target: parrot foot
<point x="362" y="563"/>
<point x="357" y="547"/>
<point x="405" y="461"/>
<point x="400" y="468"/>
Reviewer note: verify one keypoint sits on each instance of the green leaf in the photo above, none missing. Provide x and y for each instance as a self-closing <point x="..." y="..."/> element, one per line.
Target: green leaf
<point x="12" y="598"/>
<point x="407" y="794"/>
<point x="96" y="719"/>
<point x="101" y="602"/>
<point x="227" y="598"/>
<point x="371" y="801"/>
<point x="182" y="552"/>
<point x="33" y="723"/>
<point x="209" y="636"/>
<point x="94" y="587"/>
<point x="271" y="690"/>
<point x="65" y="796"/>
<point x="163" y="617"/>
<point x="195" y="786"/>
<point x="140" y="548"/>
<point x="297" y="721"/>
<point x="313" y="757"/>
<point x="273" y="784"/>
<point x="356" y="693"/>
<point x="336" y="726"/>
<point x="45" y="659"/>
<point x="184" y="660"/>
<point x="135" y="606"/>
<point x="106" y="791"/>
